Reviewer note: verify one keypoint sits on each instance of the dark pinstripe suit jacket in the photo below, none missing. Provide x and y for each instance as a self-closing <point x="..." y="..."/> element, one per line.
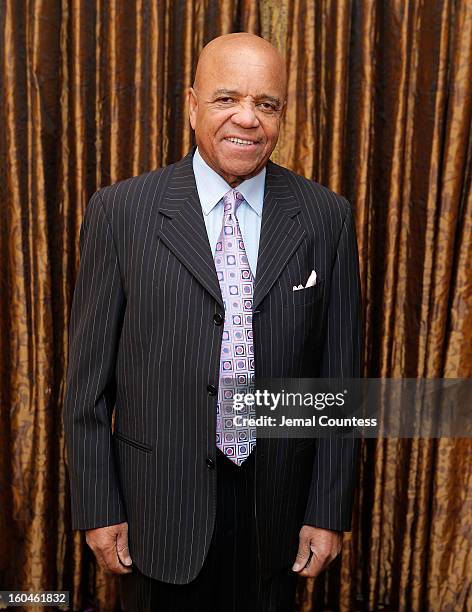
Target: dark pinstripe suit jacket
<point x="143" y="338"/>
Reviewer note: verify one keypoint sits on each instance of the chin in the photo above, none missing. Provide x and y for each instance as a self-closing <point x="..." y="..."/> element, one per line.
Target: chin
<point x="240" y="169"/>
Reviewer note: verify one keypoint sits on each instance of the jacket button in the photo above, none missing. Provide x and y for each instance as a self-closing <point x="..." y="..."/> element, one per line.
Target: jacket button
<point x="218" y="318"/>
<point x="212" y="390"/>
<point x="210" y="463"/>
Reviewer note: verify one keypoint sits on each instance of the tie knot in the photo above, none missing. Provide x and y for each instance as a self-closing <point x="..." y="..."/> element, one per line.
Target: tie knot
<point x="231" y="201"/>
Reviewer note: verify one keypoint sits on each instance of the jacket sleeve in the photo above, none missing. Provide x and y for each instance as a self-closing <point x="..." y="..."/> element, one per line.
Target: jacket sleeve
<point x="331" y="493"/>
<point x="94" y="331"/>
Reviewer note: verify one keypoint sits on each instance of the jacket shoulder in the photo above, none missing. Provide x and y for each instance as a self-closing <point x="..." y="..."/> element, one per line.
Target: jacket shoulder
<point x="314" y="195"/>
<point x="124" y="199"/>
<point x="132" y="185"/>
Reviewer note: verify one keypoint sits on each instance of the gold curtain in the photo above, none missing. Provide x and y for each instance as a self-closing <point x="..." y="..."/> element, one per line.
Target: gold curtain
<point x="380" y="108"/>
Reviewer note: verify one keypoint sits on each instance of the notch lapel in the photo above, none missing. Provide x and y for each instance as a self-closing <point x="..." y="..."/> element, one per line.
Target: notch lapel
<point x="280" y="234"/>
<point x="183" y="228"/>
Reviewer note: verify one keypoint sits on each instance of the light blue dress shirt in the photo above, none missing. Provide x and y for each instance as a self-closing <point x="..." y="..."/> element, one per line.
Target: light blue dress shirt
<point x="212" y="187"/>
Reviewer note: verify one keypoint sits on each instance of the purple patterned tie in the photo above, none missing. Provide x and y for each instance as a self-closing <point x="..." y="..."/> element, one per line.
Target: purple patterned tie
<point x="237" y="348"/>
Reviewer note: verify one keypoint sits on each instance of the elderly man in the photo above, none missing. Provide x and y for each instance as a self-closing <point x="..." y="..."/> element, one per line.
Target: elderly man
<point x="186" y="281"/>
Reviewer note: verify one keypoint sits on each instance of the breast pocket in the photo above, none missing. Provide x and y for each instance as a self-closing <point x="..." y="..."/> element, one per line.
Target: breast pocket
<point x="302" y="297"/>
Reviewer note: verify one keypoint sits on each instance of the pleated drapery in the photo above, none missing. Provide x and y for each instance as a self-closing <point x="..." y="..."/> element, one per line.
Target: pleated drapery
<point x="380" y="110"/>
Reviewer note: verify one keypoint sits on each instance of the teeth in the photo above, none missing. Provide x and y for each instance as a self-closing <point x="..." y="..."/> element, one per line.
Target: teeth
<point x="240" y="141"/>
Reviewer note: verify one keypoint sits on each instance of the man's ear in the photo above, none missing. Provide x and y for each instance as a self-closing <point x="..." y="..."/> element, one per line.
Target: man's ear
<point x="192" y="106"/>
<point x="284" y="108"/>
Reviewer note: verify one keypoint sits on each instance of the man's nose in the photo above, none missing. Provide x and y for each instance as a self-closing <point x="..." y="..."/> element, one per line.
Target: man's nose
<point x="246" y="116"/>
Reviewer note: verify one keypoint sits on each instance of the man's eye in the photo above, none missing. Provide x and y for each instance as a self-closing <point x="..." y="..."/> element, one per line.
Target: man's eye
<point x="268" y="106"/>
<point x="226" y="99"/>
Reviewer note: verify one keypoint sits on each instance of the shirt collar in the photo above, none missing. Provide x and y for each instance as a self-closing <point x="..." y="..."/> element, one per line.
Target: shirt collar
<point x="212" y="187"/>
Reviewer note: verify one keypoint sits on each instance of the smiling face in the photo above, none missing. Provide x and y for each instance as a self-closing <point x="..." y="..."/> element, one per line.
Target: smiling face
<point x="237" y="103"/>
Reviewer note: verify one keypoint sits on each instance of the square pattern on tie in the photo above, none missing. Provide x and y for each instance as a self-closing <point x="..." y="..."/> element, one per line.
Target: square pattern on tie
<point x="237" y="349"/>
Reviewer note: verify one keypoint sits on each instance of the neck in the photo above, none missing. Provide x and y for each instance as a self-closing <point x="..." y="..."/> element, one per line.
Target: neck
<point x="232" y="180"/>
<point x="235" y="182"/>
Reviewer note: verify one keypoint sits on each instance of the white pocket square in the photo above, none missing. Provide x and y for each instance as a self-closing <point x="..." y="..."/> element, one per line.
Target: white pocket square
<point x="309" y="283"/>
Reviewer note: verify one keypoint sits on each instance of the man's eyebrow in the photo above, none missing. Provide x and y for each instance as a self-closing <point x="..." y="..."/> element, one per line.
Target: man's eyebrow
<point x="234" y="92"/>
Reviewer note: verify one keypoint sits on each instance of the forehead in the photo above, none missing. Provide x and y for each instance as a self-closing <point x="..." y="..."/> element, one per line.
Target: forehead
<point x="256" y="93"/>
<point x="245" y="73"/>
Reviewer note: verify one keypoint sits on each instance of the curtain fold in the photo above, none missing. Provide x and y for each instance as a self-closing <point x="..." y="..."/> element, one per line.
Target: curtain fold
<point x="379" y="110"/>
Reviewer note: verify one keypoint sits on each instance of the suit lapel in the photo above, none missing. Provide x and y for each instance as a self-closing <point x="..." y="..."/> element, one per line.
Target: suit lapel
<point x="280" y="234"/>
<point x="183" y="228"/>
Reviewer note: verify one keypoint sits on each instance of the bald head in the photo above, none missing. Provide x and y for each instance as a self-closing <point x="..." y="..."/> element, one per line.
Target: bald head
<point x="239" y="45"/>
<point x="237" y="103"/>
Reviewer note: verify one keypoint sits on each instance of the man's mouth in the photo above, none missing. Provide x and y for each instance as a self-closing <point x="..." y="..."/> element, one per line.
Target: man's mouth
<point x="242" y="142"/>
